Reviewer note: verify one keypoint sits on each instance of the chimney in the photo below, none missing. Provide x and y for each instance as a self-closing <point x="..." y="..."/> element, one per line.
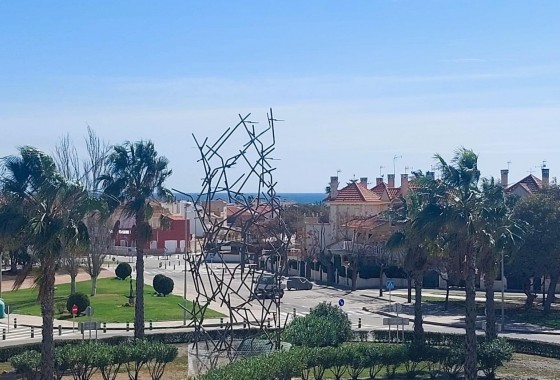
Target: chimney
<point x="504" y="177"/>
<point x="378" y="181"/>
<point x="334" y="187"/>
<point x="404" y="184"/>
<point x="363" y="181"/>
<point x="391" y="180"/>
<point x="430" y="175"/>
<point x="545" y="177"/>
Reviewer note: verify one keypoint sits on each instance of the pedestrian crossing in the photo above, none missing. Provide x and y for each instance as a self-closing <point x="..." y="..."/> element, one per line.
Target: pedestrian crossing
<point x="24" y="332"/>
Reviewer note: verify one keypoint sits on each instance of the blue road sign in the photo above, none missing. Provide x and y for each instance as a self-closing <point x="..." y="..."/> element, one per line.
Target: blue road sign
<point x="390" y="285"/>
<point x="341" y="302"/>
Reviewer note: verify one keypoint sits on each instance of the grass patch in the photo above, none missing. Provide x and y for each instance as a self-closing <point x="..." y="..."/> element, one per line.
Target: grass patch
<point x="109" y="304"/>
<point x="536" y="317"/>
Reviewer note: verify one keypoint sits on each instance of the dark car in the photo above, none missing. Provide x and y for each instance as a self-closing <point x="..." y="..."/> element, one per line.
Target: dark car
<point x="298" y="283"/>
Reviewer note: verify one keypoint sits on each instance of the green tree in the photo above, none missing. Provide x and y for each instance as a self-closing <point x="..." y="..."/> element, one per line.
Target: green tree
<point x="498" y="234"/>
<point x="454" y="214"/>
<point x="420" y="246"/>
<point x="135" y="176"/>
<point x="45" y="210"/>
<point x="540" y="252"/>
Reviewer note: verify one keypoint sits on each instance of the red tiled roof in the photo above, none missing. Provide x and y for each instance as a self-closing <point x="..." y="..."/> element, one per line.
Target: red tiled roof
<point x="355" y="192"/>
<point x="384" y="189"/>
<point x="530" y="183"/>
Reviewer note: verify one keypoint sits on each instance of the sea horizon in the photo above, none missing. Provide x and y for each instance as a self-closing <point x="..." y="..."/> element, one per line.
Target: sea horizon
<point x="301" y="198"/>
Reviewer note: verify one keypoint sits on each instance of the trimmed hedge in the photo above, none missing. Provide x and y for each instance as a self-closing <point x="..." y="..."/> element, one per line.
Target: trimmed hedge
<point x="79" y="299"/>
<point x="85" y="359"/>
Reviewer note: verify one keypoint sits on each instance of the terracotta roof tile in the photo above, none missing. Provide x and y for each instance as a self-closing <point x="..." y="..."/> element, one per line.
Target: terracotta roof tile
<point x="355" y="192"/>
<point x="530" y="183"/>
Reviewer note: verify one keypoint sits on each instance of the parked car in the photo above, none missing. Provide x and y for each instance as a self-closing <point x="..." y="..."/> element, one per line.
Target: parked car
<point x="267" y="286"/>
<point x="298" y="283"/>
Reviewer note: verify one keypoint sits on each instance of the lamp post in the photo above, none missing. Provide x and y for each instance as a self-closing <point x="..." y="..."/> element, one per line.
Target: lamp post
<point x="502" y="276"/>
<point x="185" y="267"/>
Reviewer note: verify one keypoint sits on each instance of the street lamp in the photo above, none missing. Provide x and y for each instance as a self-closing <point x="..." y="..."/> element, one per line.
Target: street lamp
<point x="502" y="276"/>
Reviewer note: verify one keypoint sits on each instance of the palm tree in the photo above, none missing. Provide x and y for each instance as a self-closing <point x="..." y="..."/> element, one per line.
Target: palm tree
<point x="419" y="245"/>
<point x="45" y="210"/>
<point x="497" y="232"/>
<point x="454" y="214"/>
<point x="134" y="174"/>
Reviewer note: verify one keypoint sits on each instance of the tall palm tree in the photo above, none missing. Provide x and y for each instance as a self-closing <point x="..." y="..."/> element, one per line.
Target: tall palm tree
<point x="454" y="214"/>
<point x="135" y="175"/>
<point x="497" y="231"/>
<point x="45" y="210"/>
<point x="420" y="245"/>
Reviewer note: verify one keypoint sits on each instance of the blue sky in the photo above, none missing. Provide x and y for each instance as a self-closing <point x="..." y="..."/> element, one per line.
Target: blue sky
<point x="357" y="82"/>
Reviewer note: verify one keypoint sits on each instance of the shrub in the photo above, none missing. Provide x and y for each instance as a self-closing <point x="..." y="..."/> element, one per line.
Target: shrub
<point x="493" y="354"/>
<point x="164" y="285"/>
<point x="27" y="364"/>
<point x="156" y="281"/>
<point x="123" y="270"/>
<point x="79" y="299"/>
<point x="325" y="325"/>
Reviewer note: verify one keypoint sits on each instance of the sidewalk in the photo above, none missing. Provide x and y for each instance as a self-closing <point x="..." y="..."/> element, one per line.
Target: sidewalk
<point x="447" y="319"/>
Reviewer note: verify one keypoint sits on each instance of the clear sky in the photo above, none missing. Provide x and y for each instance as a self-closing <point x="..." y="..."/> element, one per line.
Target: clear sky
<point x="357" y="82"/>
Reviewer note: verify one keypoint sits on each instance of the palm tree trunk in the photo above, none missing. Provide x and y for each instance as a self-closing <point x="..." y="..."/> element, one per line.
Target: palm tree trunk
<point x="490" y="306"/>
<point x="47" y="311"/>
<point x="409" y="283"/>
<point x="551" y="291"/>
<point x="470" y="317"/>
<point x="355" y="276"/>
<point x="93" y="291"/>
<point x="139" y="305"/>
<point x="418" y="323"/>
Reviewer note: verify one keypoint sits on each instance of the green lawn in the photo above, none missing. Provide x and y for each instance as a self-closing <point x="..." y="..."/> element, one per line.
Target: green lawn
<point x="109" y="304"/>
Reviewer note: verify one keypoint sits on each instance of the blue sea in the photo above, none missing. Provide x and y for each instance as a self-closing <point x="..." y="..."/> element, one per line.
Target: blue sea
<point x="302" y="198"/>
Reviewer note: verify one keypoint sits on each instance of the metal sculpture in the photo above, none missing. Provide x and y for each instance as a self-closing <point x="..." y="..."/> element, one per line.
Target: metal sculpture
<point x="243" y="177"/>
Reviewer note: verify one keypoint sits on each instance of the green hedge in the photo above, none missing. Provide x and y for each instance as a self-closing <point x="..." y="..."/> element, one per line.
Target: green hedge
<point x="83" y="360"/>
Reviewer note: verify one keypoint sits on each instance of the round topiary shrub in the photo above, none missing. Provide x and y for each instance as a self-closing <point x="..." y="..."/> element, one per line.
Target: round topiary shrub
<point x="155" y="282"/>
<point x="164" y="285"/>
<point x="79" y="299"/>
<point x="123" y="270"/>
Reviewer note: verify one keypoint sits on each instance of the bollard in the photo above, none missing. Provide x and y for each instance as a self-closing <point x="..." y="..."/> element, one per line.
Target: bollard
<point x="268" y="323"/>
<point x="221" y="322"/>
<point x="15" y="323"/>
<point x="59" y="330"/>
<point x="310" y="309"/>
<point x="3" y="334"/>
<point x="165" y="266"/>
<point x="104" y="327"/>
<point x="127" y="326"/>
<point x="359" y="323"/>
<point x="173" y="266"/>
<point x="294" y="313"/>
<point x="244" y="325"/>
<point x="151" y="325"/>
<point x="160" y="265"/>
<point x="32" y="332"/>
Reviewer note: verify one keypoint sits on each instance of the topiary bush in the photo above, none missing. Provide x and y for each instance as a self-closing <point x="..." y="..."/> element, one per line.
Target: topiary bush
<point x="79" y="299"/>
<point x="164" y="285"/>
<point x="156" y="280"/>
<point x="123" y="270"/>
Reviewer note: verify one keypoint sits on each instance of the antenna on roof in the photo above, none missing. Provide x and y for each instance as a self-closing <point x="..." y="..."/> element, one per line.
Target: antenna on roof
<point x="408" y="167"/>
<point x="380" y="170"/>
<point x="508" y="163"/>
<point x="543" y="164"/>
<point x="394" y="163"/>
<point x="338" y="171"/>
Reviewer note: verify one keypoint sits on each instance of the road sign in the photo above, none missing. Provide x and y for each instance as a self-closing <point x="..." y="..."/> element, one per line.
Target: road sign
<point x="397" y="308"/>
<point x="84" y="326"/>
<point x="395" y="321"/>
<point x="74" y="309"/>
<point x="89" y="311"/>
<point x="390" y="284"/>
<point x="341" y="302"/>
